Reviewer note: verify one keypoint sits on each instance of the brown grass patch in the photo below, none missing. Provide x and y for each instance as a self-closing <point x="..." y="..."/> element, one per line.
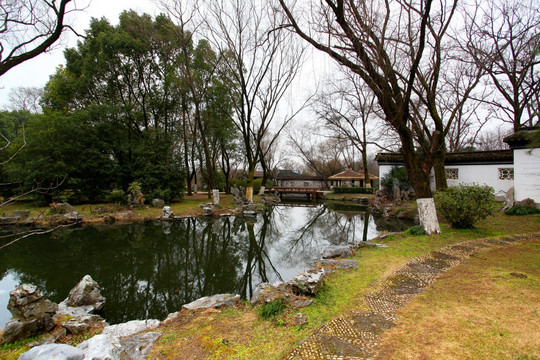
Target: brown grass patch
<point x="477" y="310"/>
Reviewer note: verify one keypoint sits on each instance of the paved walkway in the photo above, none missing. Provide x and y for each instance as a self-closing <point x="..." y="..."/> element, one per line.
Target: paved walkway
<point x="356" y="334"/>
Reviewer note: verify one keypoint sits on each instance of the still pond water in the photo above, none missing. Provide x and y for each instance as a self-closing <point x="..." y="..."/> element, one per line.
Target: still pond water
<point x="147" y="270"/>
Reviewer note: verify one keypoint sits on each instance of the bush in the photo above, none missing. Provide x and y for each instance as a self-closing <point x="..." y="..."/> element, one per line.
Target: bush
<point x="415" y="231"/>
<point x="256" y="184"/>
<point x="522" y="210"/>
<point x="397" y="177"/>
<point x="116" y="196"/>
<point x="272" y="309"/>
<point x="163" y="194"/>
<point x="464" y="205"/>
<point x="353" y="190"/>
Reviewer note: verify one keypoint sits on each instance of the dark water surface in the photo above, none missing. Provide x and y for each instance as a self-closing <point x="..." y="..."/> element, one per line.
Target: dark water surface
<point x="147" y="270"/>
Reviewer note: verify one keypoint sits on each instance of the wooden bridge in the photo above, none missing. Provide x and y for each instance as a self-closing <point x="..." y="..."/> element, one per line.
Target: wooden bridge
<point x="311" y="192"/>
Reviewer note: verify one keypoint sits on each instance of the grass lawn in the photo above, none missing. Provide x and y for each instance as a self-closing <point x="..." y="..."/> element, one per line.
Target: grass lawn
<point x="240" y="334"/>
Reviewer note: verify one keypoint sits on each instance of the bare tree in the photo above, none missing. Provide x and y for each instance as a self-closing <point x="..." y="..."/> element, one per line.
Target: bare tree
<point x="262" y="65"/>
<point x="384" y="43"/>
<point x="29" y="28"/>
<point x="349" y="110"/>
<point x="26" y="98"/>
<point x="503" y="37"/>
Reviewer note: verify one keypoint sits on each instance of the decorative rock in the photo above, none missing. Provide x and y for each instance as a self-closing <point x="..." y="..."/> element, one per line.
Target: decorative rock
<point x="25" y="302"/>
<point x="337" y="251"/>
<point x="53" y="351"/>
<point x="370" y="244"/>
<point x="21" y="214"/>
<point x="101" y="347"/>
<point x="341" y="263"/>
<point x="130" y="328"/>
<point x="86" y="292"/>
<point x="159" y="203"/>
<point x="215" y="195"/>
<point x="428" y="216"/>
<point x="216" y="301"/>
<point x="297" y="303"/>
<point x="166" y="213"/>
<point x="208" y="209"/>
<point x="309" y="282"/>
<point x="16" y="330"/>
<point x="260" y="291"/>
<point x="139" y="346"/>
<point x="75" y="327"/>
<point x="509" y="199"/>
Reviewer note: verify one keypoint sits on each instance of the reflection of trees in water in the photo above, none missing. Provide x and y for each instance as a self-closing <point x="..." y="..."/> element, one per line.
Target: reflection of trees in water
<point x="322" y="228"/>
<point x="149" y="270"/>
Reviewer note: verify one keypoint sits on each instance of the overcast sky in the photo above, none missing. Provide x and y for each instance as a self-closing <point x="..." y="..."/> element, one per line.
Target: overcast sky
<point x="36" y="72"/>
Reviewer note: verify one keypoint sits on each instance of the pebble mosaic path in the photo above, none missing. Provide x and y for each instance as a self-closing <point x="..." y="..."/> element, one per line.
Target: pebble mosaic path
<point x="356" y="334"/>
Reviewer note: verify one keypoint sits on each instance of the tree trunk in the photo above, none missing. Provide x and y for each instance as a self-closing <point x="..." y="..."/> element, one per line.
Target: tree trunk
<point x="249" y="187"/>
<point x="367" y="181"/>
<point x="418" y="177"/>
<point x="440" y="172"/>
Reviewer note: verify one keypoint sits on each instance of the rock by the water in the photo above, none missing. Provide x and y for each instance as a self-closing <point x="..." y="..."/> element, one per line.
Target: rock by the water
<point x="216" y="301"/>
<point x="166" y="213"/>
<point x="102" y="347"/>
<point x="215" y="196"/>
<point x="159" y="203"/>
<point x="139" y="346"/>
<point x="76" y="327"/>
<point x="309" y="282"/>
<point x="16" y="330"/>
<point x="86" y="292"/>
<point x="32" y="314"/>
<point x="130" y="328"/>
<point x="337" y="251"/>
<point x="53" y="351"/>
<point x="341" y="263"/>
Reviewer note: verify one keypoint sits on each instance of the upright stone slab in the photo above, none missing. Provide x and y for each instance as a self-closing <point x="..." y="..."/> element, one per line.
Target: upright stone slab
<point x="427" y="214"/>
<point x="249" y="193"/>
<point x="215" y="194"/>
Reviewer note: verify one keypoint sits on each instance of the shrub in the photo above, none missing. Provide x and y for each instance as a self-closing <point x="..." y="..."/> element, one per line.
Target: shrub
<point x="353" y="190"/>
<point x="464" y="205"/>
<point x="415" y="231"/>
<point x="272" y="309"/>
<point x="116" y="196"/>
<point x="163" y="194"/>
<point x="520" y="210"/>
<point x="397" y="177"/>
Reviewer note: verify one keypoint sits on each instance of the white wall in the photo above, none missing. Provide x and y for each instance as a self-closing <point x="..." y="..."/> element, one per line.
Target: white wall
<point x="469" y="174"/>
<point x="482" y="175"/>
<point x="527" y="174"/>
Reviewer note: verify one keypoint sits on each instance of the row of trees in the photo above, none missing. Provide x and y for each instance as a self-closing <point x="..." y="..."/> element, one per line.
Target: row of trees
<point x="157" y="100"/>
<point x="426" y="69"/>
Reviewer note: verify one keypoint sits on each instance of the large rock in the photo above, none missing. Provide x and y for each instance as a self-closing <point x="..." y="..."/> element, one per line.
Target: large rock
<point x="158" y="203"/>
<point x="17" y="330"/>
<point x="309" y="282"/>
<point x="102" y="347"/>
<point x="130" y="328"/>
<point x="427" y="214"/>
<point x="138" y="347"/>
<point x="215" y="301"/>
<point x="32" y="314"/>
<point x="53" y="351"/>
<point x="337" y="251"/>
<point x="166" y="212"/>
<point x="86" y="293"/>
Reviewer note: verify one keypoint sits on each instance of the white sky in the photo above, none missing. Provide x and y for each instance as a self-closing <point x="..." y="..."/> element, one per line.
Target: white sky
<point x="36" y="72"/>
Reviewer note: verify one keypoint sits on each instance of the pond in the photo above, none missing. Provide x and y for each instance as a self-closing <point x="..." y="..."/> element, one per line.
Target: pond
<point x="147" y="270"/>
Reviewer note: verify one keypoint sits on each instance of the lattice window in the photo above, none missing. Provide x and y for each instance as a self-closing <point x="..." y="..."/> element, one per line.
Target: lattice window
<point x="452" y="174"/>
<point x="506" y="173"/>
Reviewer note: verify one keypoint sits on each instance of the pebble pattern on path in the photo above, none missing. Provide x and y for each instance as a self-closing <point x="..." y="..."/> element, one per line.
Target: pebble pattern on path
<point x="356" y="334"/>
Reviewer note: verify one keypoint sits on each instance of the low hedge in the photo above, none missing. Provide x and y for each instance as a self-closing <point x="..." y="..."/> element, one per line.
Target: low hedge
<point x="353" y="190"/>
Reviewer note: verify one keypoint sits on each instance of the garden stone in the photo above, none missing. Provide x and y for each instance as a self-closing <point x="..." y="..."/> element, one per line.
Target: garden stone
<point x="139" y="346"/>
<point x="337" y="251"/>
<point x="309" y="282"/>
<point x="428" y="216"/>
<point x="300" y="319"/>
<point x="21" y="214"/>
<point x="158" y="203"/>
<point x="166" y="213"/>
<point x="341" y="263"/>
<point x="130" y="328"/>
<point x="16" y="330"/>
<point x="215" y="301"/>
<point x="25" y="303"/>
<point x="509" y="199"/>
<point x="215" y="195"/>
<point x="102" y="347"/>
<point x="53" y="351"/>
<point x="86" y="293"/>
<point x="76" y="327"/>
